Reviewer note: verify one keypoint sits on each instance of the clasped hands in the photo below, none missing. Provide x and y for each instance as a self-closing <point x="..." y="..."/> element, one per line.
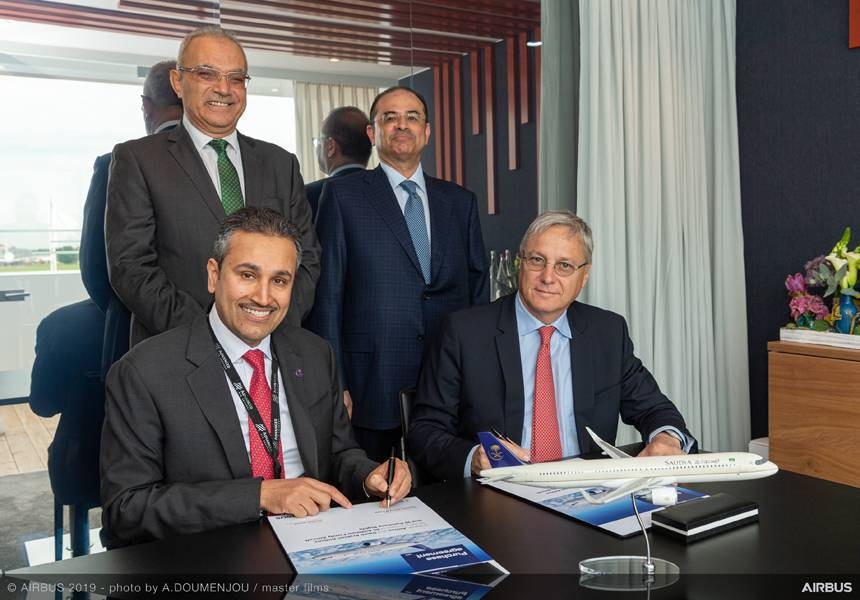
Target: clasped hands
<point x="305" y="496"/>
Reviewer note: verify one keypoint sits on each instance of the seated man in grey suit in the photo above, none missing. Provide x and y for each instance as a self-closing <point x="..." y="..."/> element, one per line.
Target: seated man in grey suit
<point x="218" y="420"/>
<point x="539" y="366"/>
<point x="342" y="148"/>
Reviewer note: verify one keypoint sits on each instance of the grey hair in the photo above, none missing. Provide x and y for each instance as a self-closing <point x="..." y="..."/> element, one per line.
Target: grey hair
<point x="157" y="86"/>
<point x="565" y="218"/>
<point x="208" y="31"/>
<point x="255" y="219"/>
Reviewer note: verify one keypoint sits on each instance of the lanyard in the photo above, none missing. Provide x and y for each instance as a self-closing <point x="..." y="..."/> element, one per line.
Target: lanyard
<point x="270" y="442"/>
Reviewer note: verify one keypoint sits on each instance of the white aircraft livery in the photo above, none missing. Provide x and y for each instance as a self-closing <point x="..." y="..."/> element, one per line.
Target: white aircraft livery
<point x="622" y="473"/>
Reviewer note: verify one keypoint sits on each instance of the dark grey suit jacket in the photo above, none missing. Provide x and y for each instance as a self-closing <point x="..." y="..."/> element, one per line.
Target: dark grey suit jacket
<point x="473" y="380"/>
<point x="173" y="460"/>
<point x="163" y="212"/>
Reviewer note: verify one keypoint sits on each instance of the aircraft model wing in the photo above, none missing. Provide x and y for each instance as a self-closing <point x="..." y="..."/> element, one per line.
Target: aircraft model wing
<point x="631" y="487"/>
<point x="610" y="450"/>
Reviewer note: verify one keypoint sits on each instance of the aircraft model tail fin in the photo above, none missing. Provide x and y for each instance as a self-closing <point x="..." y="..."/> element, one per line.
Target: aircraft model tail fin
<point x="497" y="453"/>
<point x="610" y="450"/>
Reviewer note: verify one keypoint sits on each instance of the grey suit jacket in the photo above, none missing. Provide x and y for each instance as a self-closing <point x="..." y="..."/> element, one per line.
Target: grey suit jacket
<point x="173" y="460"/>
<point x="163" y="212"/>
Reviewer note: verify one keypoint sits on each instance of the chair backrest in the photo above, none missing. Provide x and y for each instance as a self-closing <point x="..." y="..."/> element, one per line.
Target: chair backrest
<point x="407" y="397"/>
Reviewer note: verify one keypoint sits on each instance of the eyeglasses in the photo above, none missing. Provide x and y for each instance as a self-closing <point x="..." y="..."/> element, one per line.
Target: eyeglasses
<point x="561" y="268"/>
<point x="413" y="117"/>
<point x="318" y="141"/>
<point x="210" y="75"/>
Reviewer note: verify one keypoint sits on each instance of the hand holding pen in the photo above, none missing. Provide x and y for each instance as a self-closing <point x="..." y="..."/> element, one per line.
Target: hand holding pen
<point x="390" y="480"/>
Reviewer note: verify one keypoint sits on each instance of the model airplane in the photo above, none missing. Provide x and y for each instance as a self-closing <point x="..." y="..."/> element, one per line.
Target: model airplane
<point x="621" y="473"/>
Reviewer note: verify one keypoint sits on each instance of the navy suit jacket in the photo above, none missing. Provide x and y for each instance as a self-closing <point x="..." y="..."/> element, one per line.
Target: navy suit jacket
<point x="314" y="190"/>
<point x="372" y="304"/>
<point x="473" y="380"/>
<point x="65" y="379"/>
<point x="94" y="269"/>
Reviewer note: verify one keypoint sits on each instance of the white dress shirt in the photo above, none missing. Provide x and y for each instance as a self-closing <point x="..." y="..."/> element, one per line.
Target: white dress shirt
<point x="235" y="349"/>
<point x="210" y="155"/>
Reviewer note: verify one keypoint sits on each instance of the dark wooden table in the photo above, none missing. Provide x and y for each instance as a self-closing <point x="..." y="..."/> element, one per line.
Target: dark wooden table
<point x="809" y="532"/>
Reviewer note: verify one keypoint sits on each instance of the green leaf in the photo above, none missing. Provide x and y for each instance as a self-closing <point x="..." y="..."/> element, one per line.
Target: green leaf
<point x="821" y="325"/>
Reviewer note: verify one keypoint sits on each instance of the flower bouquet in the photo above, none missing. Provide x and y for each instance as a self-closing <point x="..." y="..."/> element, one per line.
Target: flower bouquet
<point x="836" y="272"/>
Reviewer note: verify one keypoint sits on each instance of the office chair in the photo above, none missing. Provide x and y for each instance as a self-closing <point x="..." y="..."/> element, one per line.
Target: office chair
<point x="419" y="476"/>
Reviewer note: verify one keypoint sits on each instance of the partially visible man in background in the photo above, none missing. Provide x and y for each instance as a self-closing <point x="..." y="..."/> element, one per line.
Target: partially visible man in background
<point x="342" y="148"/>
<point x="162" y="110"/>
<point x="169" y="192"/>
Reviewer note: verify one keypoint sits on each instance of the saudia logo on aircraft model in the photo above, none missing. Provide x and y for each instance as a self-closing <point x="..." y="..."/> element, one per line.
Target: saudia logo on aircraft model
<point x="496" y="452"/>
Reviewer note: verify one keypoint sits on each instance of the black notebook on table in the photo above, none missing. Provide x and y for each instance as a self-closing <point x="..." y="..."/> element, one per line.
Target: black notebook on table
<point x="704" y="517"/>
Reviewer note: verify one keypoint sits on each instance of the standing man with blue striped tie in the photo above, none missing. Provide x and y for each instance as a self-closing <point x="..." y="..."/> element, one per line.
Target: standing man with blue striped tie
<point x="401" y="249"/>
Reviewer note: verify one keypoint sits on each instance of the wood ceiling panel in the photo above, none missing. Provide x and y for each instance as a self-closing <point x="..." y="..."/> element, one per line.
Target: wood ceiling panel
<point x="400" y="32"/>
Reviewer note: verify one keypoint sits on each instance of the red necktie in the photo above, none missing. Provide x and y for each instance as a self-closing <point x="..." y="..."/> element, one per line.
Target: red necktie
<point x="261" y="395"/>
<point x="546" y="443"/>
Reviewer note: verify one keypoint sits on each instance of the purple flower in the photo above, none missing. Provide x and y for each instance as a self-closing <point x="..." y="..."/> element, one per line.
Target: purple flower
<point x="814" y="275"/>
<point x="795" y="284"/>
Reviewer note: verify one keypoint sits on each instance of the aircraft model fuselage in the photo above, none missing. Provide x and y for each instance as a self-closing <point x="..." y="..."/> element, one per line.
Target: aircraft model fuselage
<point x="622" y="473"/>
<point x="661" y="470"/>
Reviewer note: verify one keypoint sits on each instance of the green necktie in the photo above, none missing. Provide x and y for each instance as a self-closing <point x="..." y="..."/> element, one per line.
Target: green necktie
<point x="231" y="191"/>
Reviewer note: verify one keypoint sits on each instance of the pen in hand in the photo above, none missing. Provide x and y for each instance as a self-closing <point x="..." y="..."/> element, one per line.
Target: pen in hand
<point x="392" y="462"/>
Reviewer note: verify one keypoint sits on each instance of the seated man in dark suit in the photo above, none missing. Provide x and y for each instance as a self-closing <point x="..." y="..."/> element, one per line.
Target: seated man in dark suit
<point x="539" y="366"/>
<point x="213" y="422"/>
<point x="342" y="148"/>
<point x="66" y="379"/>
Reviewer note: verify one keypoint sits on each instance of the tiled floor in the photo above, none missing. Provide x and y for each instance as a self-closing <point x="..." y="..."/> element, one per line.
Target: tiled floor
<point x="24" y="439"/>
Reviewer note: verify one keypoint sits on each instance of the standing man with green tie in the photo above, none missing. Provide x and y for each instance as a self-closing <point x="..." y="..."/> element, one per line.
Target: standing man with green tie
<point x="169" y="192"/>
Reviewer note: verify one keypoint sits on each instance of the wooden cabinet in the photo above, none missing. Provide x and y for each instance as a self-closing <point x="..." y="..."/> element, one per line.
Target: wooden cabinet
<point x="814" y="410"/>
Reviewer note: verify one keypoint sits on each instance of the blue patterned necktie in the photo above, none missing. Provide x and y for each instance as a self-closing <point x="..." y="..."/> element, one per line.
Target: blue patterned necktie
<point x="231" y="190"/>
<point x="414" y="214"/>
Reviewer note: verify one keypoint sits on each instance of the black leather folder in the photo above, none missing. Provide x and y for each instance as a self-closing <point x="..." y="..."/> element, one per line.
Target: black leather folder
<point x="704" y="517"/>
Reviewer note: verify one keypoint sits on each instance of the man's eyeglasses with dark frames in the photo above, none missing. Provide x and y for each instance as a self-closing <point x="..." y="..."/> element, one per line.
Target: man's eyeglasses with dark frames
<point x="211" y="75"/>
<point x="561" y="268"/>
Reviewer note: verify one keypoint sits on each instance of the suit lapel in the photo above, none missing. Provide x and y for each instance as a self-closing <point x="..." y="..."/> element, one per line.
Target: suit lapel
<point x="508" y="349"/>
<point x="292" y="378"/>
<point x="252" y="167"/>
<point x="381" y="197"/>
<point x="212" y="393"/>
<point x="441" y="220"/>
<point x="182" y="149"/>
<point x="582" y="354"/>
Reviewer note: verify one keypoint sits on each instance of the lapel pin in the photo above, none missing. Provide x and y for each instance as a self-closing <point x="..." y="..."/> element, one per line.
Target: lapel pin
<point x="300" y="373"/>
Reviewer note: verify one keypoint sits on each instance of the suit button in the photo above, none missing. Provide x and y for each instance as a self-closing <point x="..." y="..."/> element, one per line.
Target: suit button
<point x="420" y="338"/>
<point x="425" y="296"/>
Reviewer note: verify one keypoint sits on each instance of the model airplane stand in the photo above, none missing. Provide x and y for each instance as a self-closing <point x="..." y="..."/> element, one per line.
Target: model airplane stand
<point x="628" y="573"/>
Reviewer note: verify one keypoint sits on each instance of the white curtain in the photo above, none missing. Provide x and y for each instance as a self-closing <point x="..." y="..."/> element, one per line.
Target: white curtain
<point x="314" y="101"/>
<point x="658" y="182"/>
